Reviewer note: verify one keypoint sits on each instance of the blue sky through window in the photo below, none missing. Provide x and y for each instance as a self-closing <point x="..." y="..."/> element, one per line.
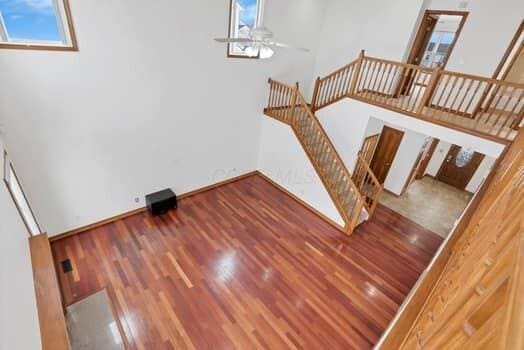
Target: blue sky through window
<point x="249" y="12"/>
<point x="30" y="20"/>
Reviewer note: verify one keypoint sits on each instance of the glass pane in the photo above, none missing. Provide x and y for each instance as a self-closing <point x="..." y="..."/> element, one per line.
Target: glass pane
<point x="21" y="203"/>
<point x="464" y="156"/>
<point x="30" y="20"/>
<point x="243" y="18"/>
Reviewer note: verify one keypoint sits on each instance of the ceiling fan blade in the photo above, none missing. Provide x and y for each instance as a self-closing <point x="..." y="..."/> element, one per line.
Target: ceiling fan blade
<point x="286" y="46"/>
<point x="233" y="40"/>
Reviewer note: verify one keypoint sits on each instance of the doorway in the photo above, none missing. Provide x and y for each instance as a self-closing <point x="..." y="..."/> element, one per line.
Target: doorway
<point x="385" y="152"/>
<point x="435" y="39"/>
<point x="459" y="166"/>
<point x="422" y="161"/>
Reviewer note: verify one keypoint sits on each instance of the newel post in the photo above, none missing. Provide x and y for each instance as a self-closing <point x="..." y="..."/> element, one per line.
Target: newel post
<point x="430" y="89"/>
<point x="356" y="73"/>
<point x="315" y="95"/>
<point x="294" y="96"/>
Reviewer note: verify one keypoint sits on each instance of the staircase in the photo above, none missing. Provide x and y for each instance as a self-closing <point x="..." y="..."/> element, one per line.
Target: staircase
<point x="354" y="196"/>
<point x="484" y="107"/>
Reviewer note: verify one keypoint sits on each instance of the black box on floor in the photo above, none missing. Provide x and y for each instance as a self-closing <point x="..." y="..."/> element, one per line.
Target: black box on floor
<point x="160" y="202"/>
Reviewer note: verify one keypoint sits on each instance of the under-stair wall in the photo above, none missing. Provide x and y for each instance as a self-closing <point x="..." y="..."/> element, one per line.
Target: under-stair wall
<point x="282" y="159"/>
<point x="355" y="196"/>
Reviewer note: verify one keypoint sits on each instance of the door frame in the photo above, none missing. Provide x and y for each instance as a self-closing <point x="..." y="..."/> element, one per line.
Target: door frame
<point x="507" y="54"/>
<point x="8" y="167"/>
<point x="497" y="73"/>
<point x="425" y="161"/>
<point x="422" y="161"/>
<point x="444" y="163"/>
<point x="416" y="46"/>
<point x="428" y="13"/>
<point x="377" y="147"/>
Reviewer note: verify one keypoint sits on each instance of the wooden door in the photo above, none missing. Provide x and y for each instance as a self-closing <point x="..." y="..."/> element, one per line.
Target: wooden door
<point x="459" y="166"/>
<point x="419" y="47"/>
<point x="422" y="39"/>
<point x="368" y="147"/>
<point x="385" y="152"/>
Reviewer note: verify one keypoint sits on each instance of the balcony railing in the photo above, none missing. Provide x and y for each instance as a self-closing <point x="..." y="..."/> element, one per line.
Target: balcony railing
<point x="480" y="106"/>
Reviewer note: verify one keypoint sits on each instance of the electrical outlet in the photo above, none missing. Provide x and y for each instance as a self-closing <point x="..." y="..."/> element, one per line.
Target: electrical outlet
<point x="137" y="200"/>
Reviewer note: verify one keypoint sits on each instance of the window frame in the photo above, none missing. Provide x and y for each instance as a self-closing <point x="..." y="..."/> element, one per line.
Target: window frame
<point x="65" y="21"/>
<point x="7" y="171"/>
<point x="229" y="29"/>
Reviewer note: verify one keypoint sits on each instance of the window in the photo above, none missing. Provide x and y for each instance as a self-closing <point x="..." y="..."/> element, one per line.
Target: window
<point x="244" y="15"/>
<point x="36" y="24"/>
<point x="14" y="187"/>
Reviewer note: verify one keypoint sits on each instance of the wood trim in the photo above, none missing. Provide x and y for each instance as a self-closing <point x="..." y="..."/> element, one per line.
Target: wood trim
<point x="303" y="203"/>
<point x="228" y="54"/>
<point x="427" y="158"/>
<point x="40" y="47"/>
<point x="444" y="164"/>
<point x="463" y="14"/>
<point x="434" y="121"/>
<point x="509" y="48"/>
<point x="53" y="330"/>
<point x="142" y="209"/>
<point x="377" y="148"/>
<point x="410" y="309"/>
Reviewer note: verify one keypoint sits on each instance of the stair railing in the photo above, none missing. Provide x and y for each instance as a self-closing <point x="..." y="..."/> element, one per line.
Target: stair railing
<point x="367" y="183"/>
<point x="489" y="108"/>
<point x="281" y="98"/>
<point x="332" y="171"/>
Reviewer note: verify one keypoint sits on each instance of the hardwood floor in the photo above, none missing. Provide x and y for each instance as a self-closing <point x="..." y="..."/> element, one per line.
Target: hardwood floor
<point x="245" y="266"/>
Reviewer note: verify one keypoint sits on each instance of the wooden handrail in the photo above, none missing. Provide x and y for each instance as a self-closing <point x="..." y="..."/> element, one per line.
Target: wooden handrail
<point x="475" y="296"/>
<point x="349" y="218"/>
<point x="53" y="330"/>
<point x="481" y="106"/>
<point x="330" y="167"/>
<point x="368" y="184"/>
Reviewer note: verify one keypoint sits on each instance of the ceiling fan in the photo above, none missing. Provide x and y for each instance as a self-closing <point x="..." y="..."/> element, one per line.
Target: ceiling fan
<point x="260" y="40"/>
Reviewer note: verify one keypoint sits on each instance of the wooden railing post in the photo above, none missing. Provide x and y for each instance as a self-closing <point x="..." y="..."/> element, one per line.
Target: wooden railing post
<point x="430" y="89"/>
<point x="357" y="211"/>
<point x="356" y="73"/>
<point x="294" y="96"/>
<point x="315" y="95"/>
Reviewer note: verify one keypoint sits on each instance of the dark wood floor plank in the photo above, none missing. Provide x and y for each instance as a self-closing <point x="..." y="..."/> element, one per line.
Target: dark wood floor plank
<point x="246" y="266"/>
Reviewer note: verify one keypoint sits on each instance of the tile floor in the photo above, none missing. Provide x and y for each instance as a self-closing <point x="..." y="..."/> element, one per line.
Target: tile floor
<point x="91" y="324"/>
<point x="430" y="203"/>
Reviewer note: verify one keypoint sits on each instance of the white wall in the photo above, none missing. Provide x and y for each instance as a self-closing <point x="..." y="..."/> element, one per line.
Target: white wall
<point x="346" y="123"/>
<point x="476" y="180"/>
<point x="19" y="328"/>
<point x="283" y="159"/>
<point x="381" y="27"/>
<point x="487" y="32"/>
<point x="150" y="101"/>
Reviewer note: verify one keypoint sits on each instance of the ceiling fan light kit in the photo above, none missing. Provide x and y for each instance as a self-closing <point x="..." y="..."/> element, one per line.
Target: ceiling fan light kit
<point x="260" y="41"/>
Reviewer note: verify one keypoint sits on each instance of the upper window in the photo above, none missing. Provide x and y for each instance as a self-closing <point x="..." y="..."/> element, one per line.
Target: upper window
<point x="42" y="24"/>
<point x="244" y="16"/>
